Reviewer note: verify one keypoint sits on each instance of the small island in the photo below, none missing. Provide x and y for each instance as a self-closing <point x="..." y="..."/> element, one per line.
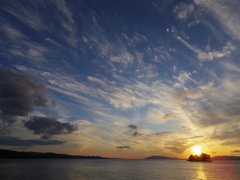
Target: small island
<point x="202" y="157"/>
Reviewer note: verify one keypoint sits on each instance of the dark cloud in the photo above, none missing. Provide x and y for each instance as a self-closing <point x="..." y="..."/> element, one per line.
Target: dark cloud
<point x="5" y="123"/>
<point x="15" y="141"/>
<point x="19" y="93"/>
<point x="7" y="119"/>
<point x="134" y="130"/>
<point x="236" y="151"/>
<point x="162" y="133"/>
<point x="123" y="147"/>
<point x="135" y="134"/>
<point x="48" y="127"/>
<point x="169" y="115"/>
<point x="133" y="127"/>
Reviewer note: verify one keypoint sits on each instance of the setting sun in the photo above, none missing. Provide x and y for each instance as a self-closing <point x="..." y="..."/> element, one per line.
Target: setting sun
<point x="196" y="150"/>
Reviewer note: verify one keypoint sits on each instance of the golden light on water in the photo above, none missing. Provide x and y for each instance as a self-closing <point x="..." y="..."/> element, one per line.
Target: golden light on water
<point x="201" y="172"/>
<point x="196" y="150"/>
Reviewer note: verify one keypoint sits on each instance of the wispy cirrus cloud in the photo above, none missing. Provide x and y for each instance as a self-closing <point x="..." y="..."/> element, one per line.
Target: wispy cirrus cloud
<point x="224" y="107"/>
<point x="30" y="17"/>
<point x="22" y="47"/>
<point x="229" y="134"/>
<point x="209" y="55"/>
<point x="135" y="40"/>
<point x="226" y="13"/>
<point x="12" y="33"/>
<point x="26" y="47"/>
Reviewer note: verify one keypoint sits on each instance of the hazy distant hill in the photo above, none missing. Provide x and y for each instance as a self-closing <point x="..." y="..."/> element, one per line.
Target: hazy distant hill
<point x="8" y="154"/>
<point x="225" y="158"/>
<point x="160" y="157"/>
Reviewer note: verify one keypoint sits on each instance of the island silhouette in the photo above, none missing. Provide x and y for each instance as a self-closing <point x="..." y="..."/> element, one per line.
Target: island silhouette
<point x="202" y="157"/>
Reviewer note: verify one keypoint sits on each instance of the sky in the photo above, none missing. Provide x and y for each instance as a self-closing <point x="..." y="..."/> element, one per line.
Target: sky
<point x="120" y="79"/>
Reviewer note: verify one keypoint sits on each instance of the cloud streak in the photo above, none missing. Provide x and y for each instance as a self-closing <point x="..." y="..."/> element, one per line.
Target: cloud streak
<point x="208" y="55"/>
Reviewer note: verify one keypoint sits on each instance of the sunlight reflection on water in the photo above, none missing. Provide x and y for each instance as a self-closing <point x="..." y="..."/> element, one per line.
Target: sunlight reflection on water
<point x="201" y="173"/>
<point x="75" y="169"/>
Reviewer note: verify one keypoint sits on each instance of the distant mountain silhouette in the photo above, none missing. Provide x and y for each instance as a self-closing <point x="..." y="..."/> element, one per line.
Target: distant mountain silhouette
<point x="160" y="157"/>
<point x="226" y="158"/>
<point x="8" y="154"/>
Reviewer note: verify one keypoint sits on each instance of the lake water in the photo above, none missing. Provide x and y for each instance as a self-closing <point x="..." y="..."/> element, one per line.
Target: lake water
<point x="106" y="169"/>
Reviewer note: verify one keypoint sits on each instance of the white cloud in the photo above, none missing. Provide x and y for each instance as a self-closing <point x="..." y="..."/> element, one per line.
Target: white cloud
<point x="62" y="6"/>
<point x="21" y="46"/>
<point x="183" y="11"/>
<point x="30" y="17"/>
<point x="30" y="51"/>
<point x="226" y="12"/>
<point x="184" y="77"/>
<point x="11" y="32"/>
<point x="97" y="80"/>
<point x="231" y="66"/>
<point x="174" y="68"/>
<point x="53" y="42"/>
<point x="209" y="54"/>
<point x="136" y="39"/>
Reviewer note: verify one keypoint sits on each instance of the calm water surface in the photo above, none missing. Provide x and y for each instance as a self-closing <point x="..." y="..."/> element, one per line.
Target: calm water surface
<point x="105" y="169"/>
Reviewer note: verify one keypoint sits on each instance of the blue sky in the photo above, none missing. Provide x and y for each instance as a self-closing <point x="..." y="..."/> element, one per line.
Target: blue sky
<point x="122" y="79"/>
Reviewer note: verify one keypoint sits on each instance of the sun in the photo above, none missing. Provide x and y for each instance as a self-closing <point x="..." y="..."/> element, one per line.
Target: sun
<point x="196" y="150"/>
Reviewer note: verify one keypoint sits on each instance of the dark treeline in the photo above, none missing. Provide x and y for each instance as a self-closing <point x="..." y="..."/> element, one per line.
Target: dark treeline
<point x="8" y="154"/>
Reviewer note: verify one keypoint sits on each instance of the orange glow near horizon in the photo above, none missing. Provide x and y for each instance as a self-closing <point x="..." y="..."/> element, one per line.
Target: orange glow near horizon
<point x="196" y="150"/>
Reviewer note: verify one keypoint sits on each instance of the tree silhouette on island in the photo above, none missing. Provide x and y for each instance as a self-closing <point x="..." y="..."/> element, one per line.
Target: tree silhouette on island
<point x="202" y="157"/>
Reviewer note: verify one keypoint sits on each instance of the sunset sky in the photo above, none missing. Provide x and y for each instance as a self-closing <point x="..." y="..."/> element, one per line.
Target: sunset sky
<point x="120" y="78"/>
